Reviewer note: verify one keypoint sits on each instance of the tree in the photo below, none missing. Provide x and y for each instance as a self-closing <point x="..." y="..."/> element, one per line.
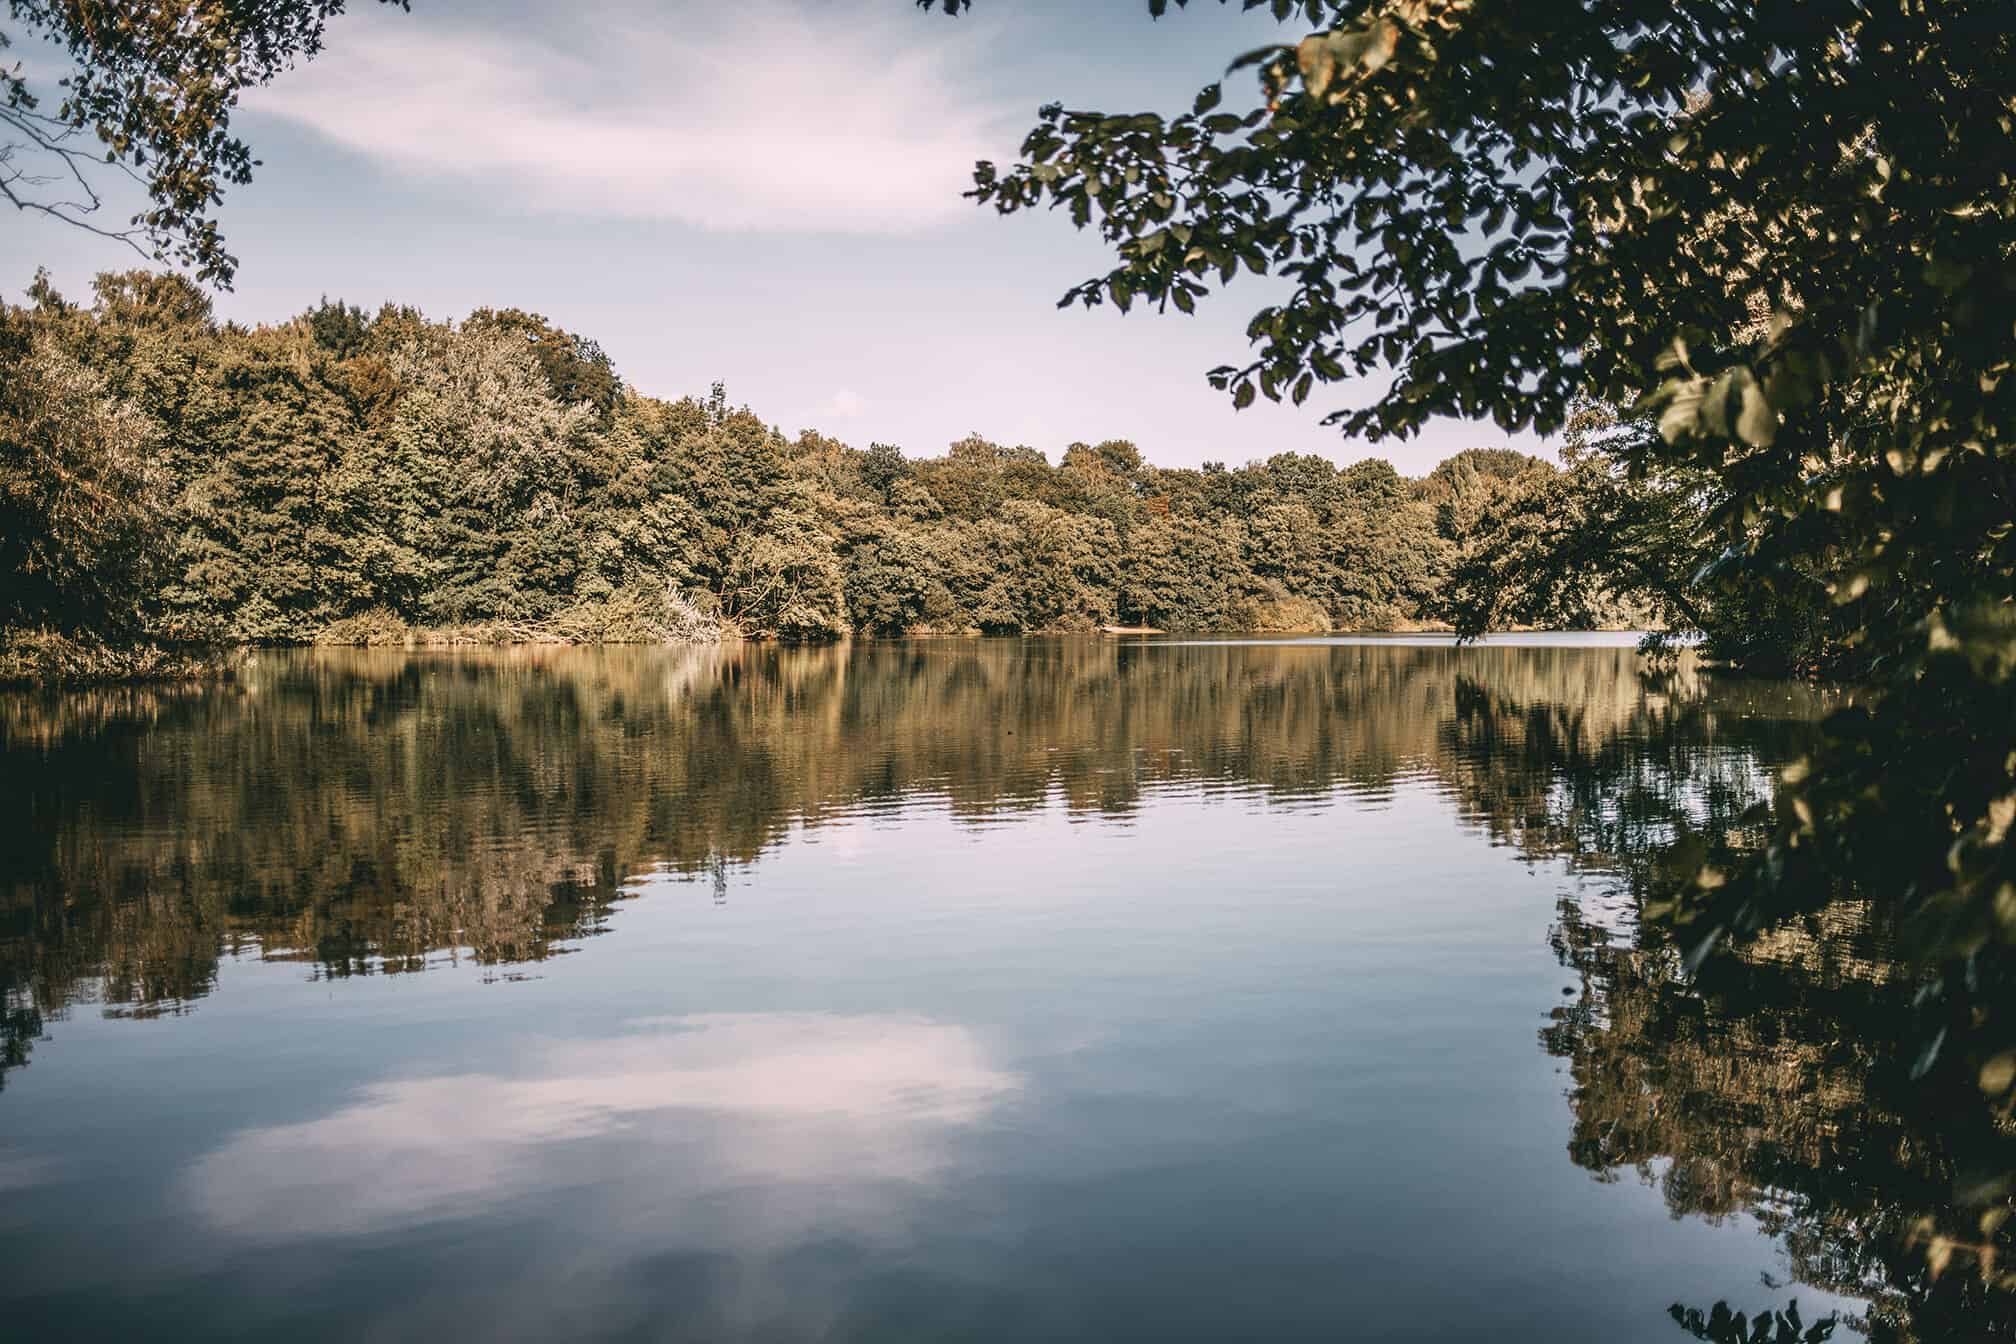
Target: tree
<point x="150" y="93"/>
<point x="785" y="578"/>
<point x="1175" y="573"/>
<point x="348" y="476"/>
<point x="497" y="476"/>
<point x="882" y="465"/>
<point x="287" y="519"/>
<point x="340" y="328"/>
<point x="576" y="368"/>
<point x="1781" y="232"/>
<point x="80" y="490"/>
<point x="1515" y="211"/>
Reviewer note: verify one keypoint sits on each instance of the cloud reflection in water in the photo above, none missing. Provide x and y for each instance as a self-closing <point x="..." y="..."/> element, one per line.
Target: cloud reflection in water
<point x="810" y="1118"/>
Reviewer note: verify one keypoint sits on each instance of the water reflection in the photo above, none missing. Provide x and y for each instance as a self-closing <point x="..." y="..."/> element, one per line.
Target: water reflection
<point x="1780" y="1084"/>
<point x="369" y="815"/>
<point x="1784" y="1081"/>
<point x="825" y="1113"/>
<point x="363" y="812"/>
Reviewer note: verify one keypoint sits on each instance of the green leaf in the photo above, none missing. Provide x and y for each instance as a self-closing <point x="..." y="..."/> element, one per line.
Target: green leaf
<point x="1317" y="59"/>
<point x="1756" y="422"/>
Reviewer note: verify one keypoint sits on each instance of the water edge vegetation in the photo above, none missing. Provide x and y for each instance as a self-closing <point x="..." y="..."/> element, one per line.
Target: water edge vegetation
<point x="172" y="484"/>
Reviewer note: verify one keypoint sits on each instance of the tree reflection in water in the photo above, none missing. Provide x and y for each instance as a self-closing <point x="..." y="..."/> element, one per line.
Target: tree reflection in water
<point x="367" y="813"/>
<point x="1783" y="1079"/>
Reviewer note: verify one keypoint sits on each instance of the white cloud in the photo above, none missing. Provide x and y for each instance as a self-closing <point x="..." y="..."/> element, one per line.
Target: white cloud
<point x="825" y="1114"/>
<point x="797" y="119"/>
<point x="846" y="404"/>
<point x="18" y="1173"/>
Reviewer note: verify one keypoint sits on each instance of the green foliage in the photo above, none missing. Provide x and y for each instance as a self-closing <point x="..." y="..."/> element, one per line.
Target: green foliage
<point x="1768" y="248"/>
<point x="380" y="627"/>
<point x="498" y="468"/>
<point x="576" y="368"/>
<point x="43" y="658"/>
<point x="784" y="577"/>
<point x="80" y="493"/>
<point x="151" y="90"/>
<point x="1785" y="242"/>
<point x="882" y="466"/>
<point x="1177" y="573"/>
<point x="357" y="478"/>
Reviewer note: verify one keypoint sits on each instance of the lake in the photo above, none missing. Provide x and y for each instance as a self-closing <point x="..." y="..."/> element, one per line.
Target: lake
<point x="943" y="990"/>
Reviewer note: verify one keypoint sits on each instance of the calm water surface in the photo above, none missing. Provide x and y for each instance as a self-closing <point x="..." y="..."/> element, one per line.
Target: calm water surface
<point x="998" y="990"/>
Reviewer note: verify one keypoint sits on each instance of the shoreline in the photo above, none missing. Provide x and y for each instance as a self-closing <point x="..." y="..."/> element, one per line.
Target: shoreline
<point x="40" y="661"/>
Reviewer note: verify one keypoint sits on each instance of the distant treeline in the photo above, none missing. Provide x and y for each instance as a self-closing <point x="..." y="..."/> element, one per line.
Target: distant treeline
<point x="350" y="477"/>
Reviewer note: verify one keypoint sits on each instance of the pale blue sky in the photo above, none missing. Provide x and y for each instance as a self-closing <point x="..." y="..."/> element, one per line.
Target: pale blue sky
<point x="761" y="193"/>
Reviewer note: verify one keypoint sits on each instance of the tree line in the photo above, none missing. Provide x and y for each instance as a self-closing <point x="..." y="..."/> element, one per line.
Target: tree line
<point x="351" y="477"/>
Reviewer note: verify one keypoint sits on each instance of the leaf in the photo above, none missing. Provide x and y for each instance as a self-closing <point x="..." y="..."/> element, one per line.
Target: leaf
<point x="1928" y="1056"/>
<point x="1681" y="413"/>
<point x="1947" y="275"/>
<point x="1756" y="422"/>
<point x="1256" y="57"/>
<point x="1382" y="42"/>
<point x="1317" y="59"/>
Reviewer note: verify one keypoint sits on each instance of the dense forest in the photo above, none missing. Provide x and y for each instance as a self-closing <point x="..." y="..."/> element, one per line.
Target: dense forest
<point x="354" y="477"/>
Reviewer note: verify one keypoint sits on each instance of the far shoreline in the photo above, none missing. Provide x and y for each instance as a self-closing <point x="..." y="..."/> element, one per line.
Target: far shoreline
<point x="56" y="663"/>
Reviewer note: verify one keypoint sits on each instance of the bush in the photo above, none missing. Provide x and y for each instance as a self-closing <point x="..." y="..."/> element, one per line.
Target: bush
<point x="638" y="615"/>
<point x="376" y="628"/>
<point x="1282" y="614"/>
<point x="38" y="657"/>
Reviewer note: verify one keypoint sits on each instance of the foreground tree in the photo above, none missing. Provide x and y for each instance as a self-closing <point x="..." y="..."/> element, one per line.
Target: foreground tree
<point x="1779" y="230"/>
<point x="149" y="94"/>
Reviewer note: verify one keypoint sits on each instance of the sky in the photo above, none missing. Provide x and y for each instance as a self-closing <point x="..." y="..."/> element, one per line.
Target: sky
<point x="762" y="194"/>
